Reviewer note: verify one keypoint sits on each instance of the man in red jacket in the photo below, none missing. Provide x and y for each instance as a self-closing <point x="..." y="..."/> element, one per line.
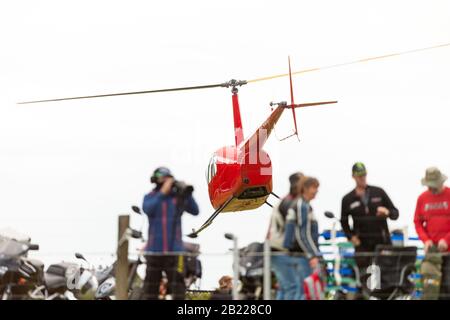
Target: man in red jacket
<point x="432" y="220"/>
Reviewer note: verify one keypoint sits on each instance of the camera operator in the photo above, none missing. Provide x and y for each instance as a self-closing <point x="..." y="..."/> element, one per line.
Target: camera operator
<point x="164" y="207"/>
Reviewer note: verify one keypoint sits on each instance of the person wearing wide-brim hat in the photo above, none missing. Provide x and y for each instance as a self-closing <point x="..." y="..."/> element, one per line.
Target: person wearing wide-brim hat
<point x="432" y="220"/>
<point x="434" y="179"/>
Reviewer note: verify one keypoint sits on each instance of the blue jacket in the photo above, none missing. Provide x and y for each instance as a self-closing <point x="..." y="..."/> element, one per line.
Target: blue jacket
<point x="302" y="230"/>
<point x="164" y="231"/>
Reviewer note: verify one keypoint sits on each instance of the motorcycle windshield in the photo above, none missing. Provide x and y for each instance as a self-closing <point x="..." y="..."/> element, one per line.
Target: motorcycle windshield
<point x="11" y="248"/>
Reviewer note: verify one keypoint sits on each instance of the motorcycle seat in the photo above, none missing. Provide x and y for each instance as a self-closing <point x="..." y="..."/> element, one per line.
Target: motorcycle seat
<point x="53" y="281"/>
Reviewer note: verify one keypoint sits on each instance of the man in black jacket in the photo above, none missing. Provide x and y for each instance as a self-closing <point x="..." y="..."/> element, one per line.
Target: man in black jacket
<point x="369" y="207"/>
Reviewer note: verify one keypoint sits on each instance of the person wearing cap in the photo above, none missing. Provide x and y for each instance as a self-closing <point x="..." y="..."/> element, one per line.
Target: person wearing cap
<point x="283" y="264"/>
<point x="164" y="208"/>
<point x="432" y="221"/>
<point x="369" y="207"/>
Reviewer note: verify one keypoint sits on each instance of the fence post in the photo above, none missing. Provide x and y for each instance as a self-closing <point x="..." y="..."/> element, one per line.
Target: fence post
<point x="232" y="237"/>
<point x="267" y="274"/>
<point x="122" y="259"/>
<point x="405" y="236"/>
<point x="235" y="268"/>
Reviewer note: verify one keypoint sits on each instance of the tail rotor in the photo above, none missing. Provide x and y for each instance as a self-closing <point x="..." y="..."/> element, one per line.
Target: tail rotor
<point x="293" y="106"/>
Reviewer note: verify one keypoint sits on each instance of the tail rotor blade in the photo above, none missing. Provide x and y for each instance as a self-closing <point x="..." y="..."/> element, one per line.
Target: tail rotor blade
<point x="290" y="81"/>
<point x="292" y="97"/>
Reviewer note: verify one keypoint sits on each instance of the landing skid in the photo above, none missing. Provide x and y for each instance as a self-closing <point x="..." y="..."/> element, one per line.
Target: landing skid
<point x="208" y="222"/>
<point x="275" y="195"/>
<point x="268" y="204"/>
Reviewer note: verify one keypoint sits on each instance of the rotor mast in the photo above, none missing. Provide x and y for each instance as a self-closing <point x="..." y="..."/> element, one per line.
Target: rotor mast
<point x="238" y="130"/>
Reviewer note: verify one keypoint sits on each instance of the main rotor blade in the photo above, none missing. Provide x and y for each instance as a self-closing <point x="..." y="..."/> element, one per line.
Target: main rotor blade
<point x="243" y="82"/>
<point x="349" y="63"/>
<point x="128" y="93"/>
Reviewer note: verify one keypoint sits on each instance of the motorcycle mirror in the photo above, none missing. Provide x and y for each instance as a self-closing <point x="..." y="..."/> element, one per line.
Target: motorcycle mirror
<point x="329" y="214"/>
<point x="136" y="209"/>
<point x="229" y="236"/>
<point x="80" y="256"/>
<point x="33" y="247"/>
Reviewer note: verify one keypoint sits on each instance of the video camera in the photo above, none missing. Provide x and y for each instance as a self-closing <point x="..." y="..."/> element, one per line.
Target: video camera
<point x="181" y="189"/>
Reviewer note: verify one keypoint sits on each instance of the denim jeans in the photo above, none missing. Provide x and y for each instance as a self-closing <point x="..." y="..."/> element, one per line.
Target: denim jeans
<point x="290" y="272"/>
<point x="284" y="267"/>
<point x="303" y="270"/>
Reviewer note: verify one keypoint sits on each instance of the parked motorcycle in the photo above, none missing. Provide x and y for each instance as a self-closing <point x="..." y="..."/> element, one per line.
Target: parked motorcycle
<point x="107" y="281"/>
<point x="19" y="275"/>
<point x="68" y="281"/>
<point x="193" y="266"/>
<point x="251" y="271"/>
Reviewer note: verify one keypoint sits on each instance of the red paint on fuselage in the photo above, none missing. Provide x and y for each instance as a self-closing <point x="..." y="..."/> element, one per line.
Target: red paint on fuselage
<point x="236" y="172"/>
<point x="243" y="171"/>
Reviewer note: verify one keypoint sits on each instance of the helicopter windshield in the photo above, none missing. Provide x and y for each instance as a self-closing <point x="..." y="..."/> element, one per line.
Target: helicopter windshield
<point x="212" y="169"/>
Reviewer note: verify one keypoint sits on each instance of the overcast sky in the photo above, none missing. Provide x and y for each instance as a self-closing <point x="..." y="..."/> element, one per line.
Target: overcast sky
<point x="68" y="169"/>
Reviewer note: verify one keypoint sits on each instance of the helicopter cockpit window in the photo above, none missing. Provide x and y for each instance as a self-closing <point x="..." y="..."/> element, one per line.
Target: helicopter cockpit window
<point x="211" y="170"/>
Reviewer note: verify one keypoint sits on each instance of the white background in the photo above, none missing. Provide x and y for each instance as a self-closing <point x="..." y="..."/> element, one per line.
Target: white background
<point x="68" y="169"/>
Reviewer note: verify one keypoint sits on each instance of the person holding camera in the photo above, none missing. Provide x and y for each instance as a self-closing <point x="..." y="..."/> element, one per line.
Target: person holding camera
<point x="164" y="207"/>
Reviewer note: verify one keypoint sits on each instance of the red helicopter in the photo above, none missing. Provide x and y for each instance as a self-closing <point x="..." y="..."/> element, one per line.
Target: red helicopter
<point x="240" y="177"/>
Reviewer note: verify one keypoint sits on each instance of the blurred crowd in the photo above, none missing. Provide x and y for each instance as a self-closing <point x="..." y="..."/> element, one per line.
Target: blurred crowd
<point x="293" y="231"/>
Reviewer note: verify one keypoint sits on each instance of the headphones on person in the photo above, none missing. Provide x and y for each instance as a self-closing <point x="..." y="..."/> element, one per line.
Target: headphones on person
<point x="160" y="172"/>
